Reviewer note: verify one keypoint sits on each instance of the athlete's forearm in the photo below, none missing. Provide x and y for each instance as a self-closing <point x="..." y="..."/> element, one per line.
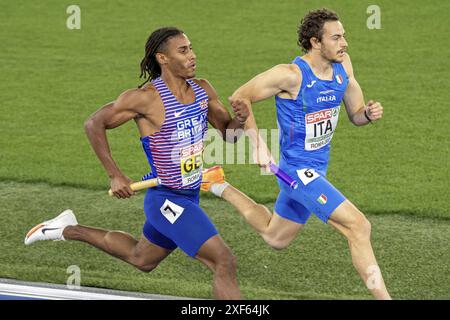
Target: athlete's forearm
<point x="252" y="131"/>
<point x="96" y="133"/>
<point x="234" y="130"/>
<point x="359" y="118"/>
<point x="261" y="151"/>
<point x="244" y="93"/>
<point x="262" y="155"/>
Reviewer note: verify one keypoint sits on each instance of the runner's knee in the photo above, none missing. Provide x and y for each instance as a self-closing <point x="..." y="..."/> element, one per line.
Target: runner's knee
<point x="360" y="229"/>
<point x="276" y="242"/>
<point x="144" y="265"/>
<point x="143" y="261"/>
<point x="227" y="261"/>
<point x="147" y="267"/>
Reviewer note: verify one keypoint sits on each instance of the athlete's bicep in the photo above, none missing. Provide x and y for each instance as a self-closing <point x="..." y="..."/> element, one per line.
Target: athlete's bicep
<point x="111" y="117"/>
<point x="218" y="115"/>
<point x="269" y="83"/>
<point x="125" y="108"/>
<point x="353" y="98"/>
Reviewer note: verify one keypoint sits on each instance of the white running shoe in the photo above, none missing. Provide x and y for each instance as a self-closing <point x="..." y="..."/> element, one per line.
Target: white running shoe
<point x="51" y="229"/>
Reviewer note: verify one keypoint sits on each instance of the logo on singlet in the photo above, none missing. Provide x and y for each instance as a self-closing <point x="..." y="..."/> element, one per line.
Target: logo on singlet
<point x="177" y="114"/>
<point x="203" y="104"/>
<point x="191" y="127"/>
<point x="311" y="84"/>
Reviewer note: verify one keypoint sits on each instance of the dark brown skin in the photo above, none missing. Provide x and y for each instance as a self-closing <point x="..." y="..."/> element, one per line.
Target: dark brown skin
<point x="145" y="106"/>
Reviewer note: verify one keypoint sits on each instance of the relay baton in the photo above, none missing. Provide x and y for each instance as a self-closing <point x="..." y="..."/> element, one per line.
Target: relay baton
<point x="136" y="186"/>
<point x="283" y="176"/>
<point x="150" y="183"/>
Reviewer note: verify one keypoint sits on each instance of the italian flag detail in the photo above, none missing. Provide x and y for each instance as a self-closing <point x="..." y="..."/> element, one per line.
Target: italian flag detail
<point x="322" y="199"/>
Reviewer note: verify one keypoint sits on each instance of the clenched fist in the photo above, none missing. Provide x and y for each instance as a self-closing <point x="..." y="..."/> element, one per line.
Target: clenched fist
<point x="374" y="110"/>
<point x="120" y="186"/>
<point x="241" y="108"/>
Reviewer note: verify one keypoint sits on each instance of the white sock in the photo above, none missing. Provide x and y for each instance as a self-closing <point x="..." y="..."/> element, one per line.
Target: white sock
<point x="217" y="188"/>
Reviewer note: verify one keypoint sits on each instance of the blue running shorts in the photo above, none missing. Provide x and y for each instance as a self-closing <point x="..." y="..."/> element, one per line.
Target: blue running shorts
<point x="175" y="219"/>
<point x="313" y="195"/>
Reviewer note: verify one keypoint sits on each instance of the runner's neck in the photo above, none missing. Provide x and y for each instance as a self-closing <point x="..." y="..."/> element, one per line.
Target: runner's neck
<point x="322" y="68"/>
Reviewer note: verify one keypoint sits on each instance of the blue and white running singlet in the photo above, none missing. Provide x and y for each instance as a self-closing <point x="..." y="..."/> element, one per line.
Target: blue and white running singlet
<point x="174" y="217"/>
<point x="175" y="152"/>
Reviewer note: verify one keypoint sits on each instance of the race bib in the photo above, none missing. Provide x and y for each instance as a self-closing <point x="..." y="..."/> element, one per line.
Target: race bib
<point x="320" y="127"/>
<point x="307" y="175"/>
<point x="191" y="163"/>
<point x="171" y="211"/>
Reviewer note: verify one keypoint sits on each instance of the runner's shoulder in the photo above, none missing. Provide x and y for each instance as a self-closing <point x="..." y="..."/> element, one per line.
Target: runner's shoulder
<point x="147" y="92"/>
<point x="289" y="73"/>
<point x="148" y="95"/>
<point x="202" y="82"/>
<point x="140" y="99"/>
<point x="205" y="85"/>
<point x="347" y="64"/>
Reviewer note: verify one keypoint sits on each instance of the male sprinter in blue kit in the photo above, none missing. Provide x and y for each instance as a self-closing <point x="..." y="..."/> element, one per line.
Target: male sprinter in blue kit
<point x="171" y="110"/>
<point x="308" y="93"/>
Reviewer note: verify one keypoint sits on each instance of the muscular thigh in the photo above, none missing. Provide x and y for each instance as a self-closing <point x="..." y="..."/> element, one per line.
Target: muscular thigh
<point x="213" y="251"/>
<point x="150" y="253"/>
<point x="282" y="229"/>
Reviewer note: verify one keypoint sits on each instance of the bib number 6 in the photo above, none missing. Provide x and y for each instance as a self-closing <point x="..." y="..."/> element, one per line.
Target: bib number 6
<point x="307" y="175"/>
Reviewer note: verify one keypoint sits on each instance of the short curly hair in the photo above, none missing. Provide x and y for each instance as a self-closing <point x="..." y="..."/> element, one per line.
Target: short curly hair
<point x="311" y="26"/>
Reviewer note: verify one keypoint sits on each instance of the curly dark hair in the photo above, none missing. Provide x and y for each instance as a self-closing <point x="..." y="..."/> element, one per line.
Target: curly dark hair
<point x="311" y="26"/>
<point x="156" y="42"/>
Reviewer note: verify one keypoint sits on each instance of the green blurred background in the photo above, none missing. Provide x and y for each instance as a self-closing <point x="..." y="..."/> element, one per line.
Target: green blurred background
<point x="396" y="171"/>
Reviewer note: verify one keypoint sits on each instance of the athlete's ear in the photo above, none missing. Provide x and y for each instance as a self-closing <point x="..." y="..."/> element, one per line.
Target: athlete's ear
<point x="315" y="43"/>
<point x="161" y="58"/>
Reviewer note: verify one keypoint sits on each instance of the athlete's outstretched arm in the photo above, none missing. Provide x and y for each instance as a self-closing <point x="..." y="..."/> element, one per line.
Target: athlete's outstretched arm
<point x="220" y="118"/>
<point x="127" y="106"/>
<point x="358" y="113"/>
<point x="281" y="78"/>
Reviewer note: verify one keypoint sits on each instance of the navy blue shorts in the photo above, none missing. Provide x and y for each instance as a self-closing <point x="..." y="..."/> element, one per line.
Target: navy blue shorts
<point x="175" y="219"/>
<point x="313" y="195"/>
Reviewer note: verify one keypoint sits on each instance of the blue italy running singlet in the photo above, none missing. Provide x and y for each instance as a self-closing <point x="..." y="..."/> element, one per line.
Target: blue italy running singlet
<point x="307" y="124"/>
